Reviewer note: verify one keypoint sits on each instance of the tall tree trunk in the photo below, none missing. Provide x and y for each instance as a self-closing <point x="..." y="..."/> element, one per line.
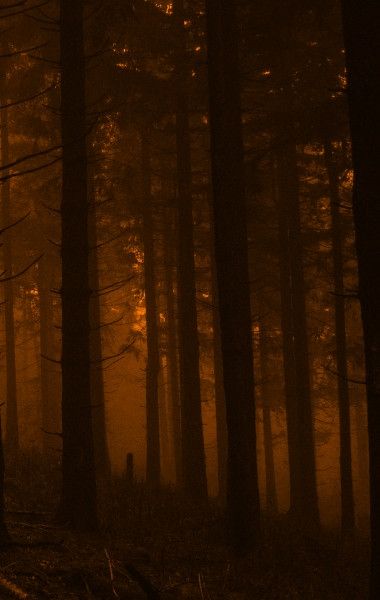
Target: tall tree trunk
<point x="231" y="259"/>
<point x="12" y="426"/>
<point x="78" y="506"/>
<point x="172" y="354"/>
<point x="4" y="534"/>
<point x="49" y="397"/>
<point x="220" y="403"/>
<point x="194" y="479"/>
<point x="361" y="24"/>
<point x="361" y="431"/>
<point x="166" y="447"/>
<point x="270" y="475"/>
<point x="346" y="483"/>
<point x="101" y="450"/>
<point x="288" y="351"/>
<point x="304" y="495"/>
<point x="153" y="460"/>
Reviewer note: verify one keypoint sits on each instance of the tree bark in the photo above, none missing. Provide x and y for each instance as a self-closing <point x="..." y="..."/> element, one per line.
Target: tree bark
<point x="194" y="479"/>
<point x="153" y="455"/>
<point x="270" y="475"/>
<point x="12" y="425"/>
<point x="345" y="459"/>
<point x="361" y="24"/>
<point x="49" y="396"/>
<point x="4" y="534"/>
<point x="99" y="424"/>
<point x="304" y="496"/>
<point x="172" y="354"/>
<point x="78" y="507"/>
<point x="220" y="403"/>
<point x="232" y="271"/>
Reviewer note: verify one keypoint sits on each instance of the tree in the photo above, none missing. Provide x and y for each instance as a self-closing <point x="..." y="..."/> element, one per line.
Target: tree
<point x="78" y="486"/>
<point x="347" y="490"/>
<point x="153" y="462"/>
<point x="12" y="429"/>
<point x="194" y="479"/>
<point x="299" y="411"/>
<point x="270" y="474"/>
<point x="232" y="272"/>
<point x="361" y="23"/>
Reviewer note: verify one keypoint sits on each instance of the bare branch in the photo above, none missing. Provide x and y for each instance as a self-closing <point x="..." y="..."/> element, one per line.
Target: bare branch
<point x="24" y="51"/>
<point x="24" y="10"/>
<point x="29" y="99"/>
<point x="14" y="5"/>
<point x="16" y="275"/>
<point x="27" y="157"/>
<point x="15" y="223"/>
<point x="56" y="433"/>
<point x="109" y="241"/>
<point x="29" y="171"/>
<point x="102" y="325"/>
<point x="122" y="352"/>
<point x="52" y="360"/>
<point x="114" y="286"/>
<point x="336" y="374"/>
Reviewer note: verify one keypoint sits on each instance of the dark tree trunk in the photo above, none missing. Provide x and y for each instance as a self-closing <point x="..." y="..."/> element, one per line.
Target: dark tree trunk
<point x="153" y="461"/>
<point x="166" y="447"/>
<point x="231" y="259"/>
<point x="78" y="506"/>
<point x="361" y="25"/>
<point x="220" y="402"/>
<point x="4" y="534"/>
<point x="361" y="436"/>
<point x="194" y="480"/>
<point x="346" y="483"/>
<point x="172" y="354"/>
<point x="49" y="397"/>
<point x="304" y="496"/>
<point x="12" y="431"/>
<point x="270" y="475"/>
<point x="99" y="424"/>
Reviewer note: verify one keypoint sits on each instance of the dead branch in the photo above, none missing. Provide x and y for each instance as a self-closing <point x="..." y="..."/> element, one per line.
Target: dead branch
<point x="122" y="352"/>
<point x="24" y="51"/>
<point x="11" y="588"/>
<point x="52" y="360"/>
<point x="349" y="380"/>
<point x="29" y="99"/>
<point x="113" y="286"/>
<point x="31" y="156"/>
<point x="109" y="241"/>
<point x="54" y="433"/>
<point x="29" y="171"/>
<point x="151" y="592"/>
<point x="11" y="277"/>
<point x="15" y="223"/>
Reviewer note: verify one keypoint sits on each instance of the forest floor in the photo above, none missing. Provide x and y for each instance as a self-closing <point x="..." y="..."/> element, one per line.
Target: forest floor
<point x="158" y="548"/>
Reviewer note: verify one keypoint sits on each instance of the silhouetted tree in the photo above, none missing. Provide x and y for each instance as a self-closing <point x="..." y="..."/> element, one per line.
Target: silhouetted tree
<point x="299" y="412"/>
<point x="347" y="491"/>
<point x="361" y="24"/>
<point x="12" y="426"/>
<point x="153" y="463"/>
<point x="78" y="485"/>
<point x="270" y="475"/>
<point x="194" y="480"/>
<point x="232" y="272"/>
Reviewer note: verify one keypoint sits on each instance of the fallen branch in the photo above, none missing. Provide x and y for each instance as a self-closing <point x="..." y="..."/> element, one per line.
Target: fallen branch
<point x="12" y="589"/>
<point x="151" y="592"/>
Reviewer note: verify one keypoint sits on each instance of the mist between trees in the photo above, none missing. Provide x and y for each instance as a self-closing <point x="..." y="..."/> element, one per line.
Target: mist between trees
<point x="190" y="297"/>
